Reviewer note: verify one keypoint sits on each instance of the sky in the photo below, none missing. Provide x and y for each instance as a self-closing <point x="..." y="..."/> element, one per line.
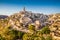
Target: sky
<point x="9" y="7"/>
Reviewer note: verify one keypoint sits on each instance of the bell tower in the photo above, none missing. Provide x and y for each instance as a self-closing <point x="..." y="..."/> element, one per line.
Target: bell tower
<point x="24" y="9"/>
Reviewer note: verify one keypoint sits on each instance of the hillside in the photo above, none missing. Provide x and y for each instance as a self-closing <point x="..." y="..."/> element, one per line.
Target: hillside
<point x="26" y="25"/>
<point x="25" y="18"/>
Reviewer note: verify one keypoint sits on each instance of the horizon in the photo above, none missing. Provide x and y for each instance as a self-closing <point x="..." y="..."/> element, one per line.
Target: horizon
<point x="9" y="7"/>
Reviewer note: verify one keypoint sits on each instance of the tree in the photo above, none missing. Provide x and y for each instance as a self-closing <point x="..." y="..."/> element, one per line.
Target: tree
<point x="26" y="37"/>
<point x="39" y="33"/>
<point x="45" y="30"/>
<point x="42" y="38"/>
<point x="31" y="27"/>
<point x="16" y="34"/>
<point x="20" y="34"/>
<point x="2" y="38"/>
<point x="37" y="38"/>
<point x="48" y="38"/>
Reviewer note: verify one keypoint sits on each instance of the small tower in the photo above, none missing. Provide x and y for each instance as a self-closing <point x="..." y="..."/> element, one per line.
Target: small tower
<point x="24" y="9"/>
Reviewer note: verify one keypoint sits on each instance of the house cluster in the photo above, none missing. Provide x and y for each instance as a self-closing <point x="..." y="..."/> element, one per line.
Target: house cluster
<point x="55" y="26"/>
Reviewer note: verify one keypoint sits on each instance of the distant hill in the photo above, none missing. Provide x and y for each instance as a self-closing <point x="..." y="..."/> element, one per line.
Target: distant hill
<point x="3" y="16"/>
